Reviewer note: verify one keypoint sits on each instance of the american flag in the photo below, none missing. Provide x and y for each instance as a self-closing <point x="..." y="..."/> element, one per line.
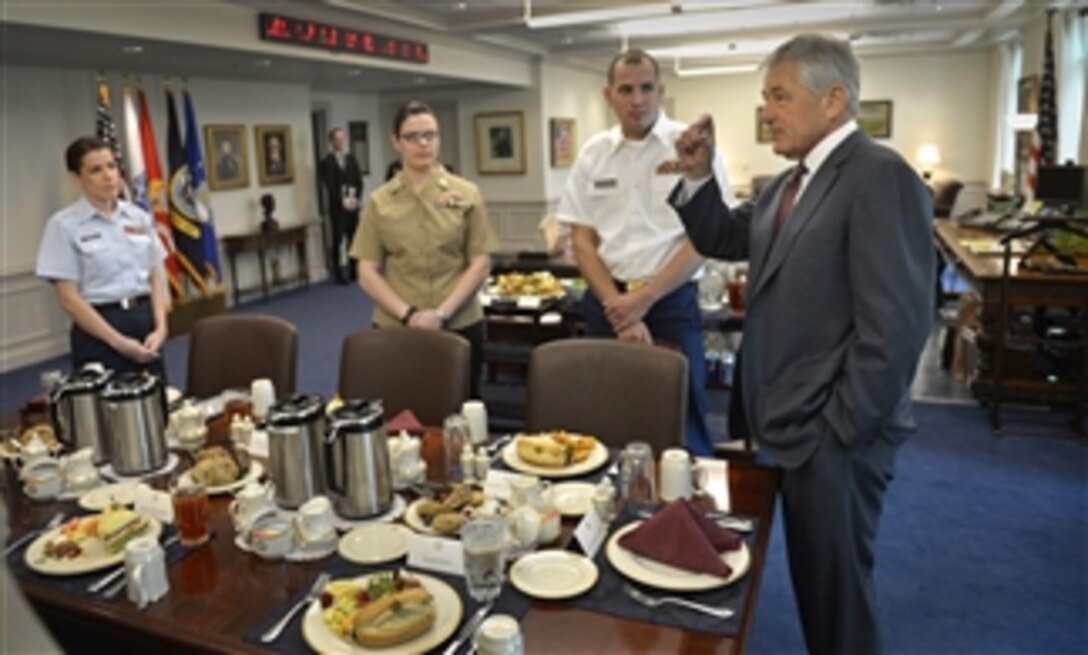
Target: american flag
<point x="105" y="128"/>
<point x="1045" y="141"/>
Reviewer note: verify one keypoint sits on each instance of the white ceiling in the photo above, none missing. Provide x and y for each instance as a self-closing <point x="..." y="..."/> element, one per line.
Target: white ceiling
<point x="725" y="32"/>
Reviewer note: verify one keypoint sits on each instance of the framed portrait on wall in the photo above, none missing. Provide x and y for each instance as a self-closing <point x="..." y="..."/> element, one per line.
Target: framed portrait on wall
<point x="228" y="163"/>
<point x="875" y="117"/>
<point x="359" y="145"/>
<point x="564" y="141"/>
<point x="275" y="154"/>
<point x="500" y="143"/>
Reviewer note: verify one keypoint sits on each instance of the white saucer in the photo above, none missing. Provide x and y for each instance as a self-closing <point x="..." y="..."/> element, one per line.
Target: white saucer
<point x="573" y="498"/>
<point x="107" y="471"/>
<point x="100" y="498"/>
<point x="375" y="543"/>
<point x="395" y="511"/>
<point x="553" y="574"/>
<point x="313" y="551"/>
<point x="72" y="494"/>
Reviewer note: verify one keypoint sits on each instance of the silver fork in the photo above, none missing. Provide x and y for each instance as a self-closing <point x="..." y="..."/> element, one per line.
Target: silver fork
<point x="53" y="522"/>
<point x="319" y="584"/>
<point x="655" y="601"/>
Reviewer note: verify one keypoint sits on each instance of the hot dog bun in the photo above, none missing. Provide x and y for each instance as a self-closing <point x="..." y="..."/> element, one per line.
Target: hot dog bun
<point x="394" y="618"/>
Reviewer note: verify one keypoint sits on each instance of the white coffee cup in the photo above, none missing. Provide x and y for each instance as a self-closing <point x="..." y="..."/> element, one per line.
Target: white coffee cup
<point x="145" y="571"/>
<point x="262" y="395"/>
<point x="475" y="412"/>
<point x="271" y="535"/>
<point x="499" y="634"/>
<point x="675" y="474"/>
<point x="79" y="470"/>
<point x="314" y="521"/>
<point x="250" y="501"/>
<point x="42" y="479"/>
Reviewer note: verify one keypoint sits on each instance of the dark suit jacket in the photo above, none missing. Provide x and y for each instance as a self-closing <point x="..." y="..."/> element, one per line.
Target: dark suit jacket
<point x="335" y="179"/>
<point x="839" y="306"/>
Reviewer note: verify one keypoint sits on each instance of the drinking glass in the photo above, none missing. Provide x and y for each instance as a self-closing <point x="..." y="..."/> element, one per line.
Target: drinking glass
<point x="455" y="438"/>
<point x="637" y="477"/>
<point x="192" y="512"/>
<point x="483" y="541"/>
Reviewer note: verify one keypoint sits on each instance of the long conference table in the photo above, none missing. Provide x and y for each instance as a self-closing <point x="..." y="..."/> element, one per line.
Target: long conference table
<point x="219" y="593"/>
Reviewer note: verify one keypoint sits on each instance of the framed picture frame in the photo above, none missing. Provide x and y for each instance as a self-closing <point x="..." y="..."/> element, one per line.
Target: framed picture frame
<point x="563" y="137"/>
<point x="500" y="143"/>
<point x="359" y="145"/>
<point x="228" y="160"/>
<point x="275" y="154"/>
<point x="875" y="117"/>
<point x="763" y="130"/>
<point x="1027" y="95"/>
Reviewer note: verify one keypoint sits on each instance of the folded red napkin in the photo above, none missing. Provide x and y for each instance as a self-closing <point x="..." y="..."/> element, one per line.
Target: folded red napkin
<point x="406" y="420"/>
<point x="682" y="536"/>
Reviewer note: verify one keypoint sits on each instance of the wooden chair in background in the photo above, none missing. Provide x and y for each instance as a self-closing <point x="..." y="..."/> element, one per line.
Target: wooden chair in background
<point x="232" y="350"/>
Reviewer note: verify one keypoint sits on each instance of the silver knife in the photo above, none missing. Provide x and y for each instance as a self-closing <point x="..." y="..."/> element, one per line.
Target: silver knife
<point x="102" y="582"/>
<point x="470" y="627"/>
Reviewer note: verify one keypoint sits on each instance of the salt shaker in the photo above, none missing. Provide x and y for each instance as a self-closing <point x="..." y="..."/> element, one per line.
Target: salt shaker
<point x="468" y="464"/>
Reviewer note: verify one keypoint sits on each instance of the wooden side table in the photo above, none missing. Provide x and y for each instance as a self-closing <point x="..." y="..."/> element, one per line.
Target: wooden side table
<point x="261" y="243"/>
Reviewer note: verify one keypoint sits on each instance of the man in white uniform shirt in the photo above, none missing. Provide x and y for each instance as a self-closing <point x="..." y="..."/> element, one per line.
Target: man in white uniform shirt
<point x="628" y="241"/>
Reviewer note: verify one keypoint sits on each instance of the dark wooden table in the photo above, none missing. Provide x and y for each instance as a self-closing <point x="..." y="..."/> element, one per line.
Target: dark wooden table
<point x="261" y="243"/>
<point x="219" y="593"/>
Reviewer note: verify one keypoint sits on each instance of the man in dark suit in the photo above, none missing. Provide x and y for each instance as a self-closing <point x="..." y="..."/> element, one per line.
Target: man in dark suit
<point x="343" y="181"/>
<point x="840" y="302"/>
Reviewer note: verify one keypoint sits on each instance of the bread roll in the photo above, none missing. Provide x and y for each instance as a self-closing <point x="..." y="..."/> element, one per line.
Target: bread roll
<point x="542" y="451"/>
<point x="394" y="618"/>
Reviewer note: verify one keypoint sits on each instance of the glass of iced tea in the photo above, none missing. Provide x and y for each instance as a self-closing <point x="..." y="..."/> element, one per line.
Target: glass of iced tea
<point x="192" y="512"/>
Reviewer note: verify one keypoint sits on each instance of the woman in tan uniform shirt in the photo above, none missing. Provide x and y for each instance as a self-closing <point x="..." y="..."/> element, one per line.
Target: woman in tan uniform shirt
<point x="424" y="243"/>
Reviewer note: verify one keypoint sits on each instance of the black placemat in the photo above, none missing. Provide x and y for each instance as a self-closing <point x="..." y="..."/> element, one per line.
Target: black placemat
<point x="291" y="641"/>
<point x="608" y="596"/>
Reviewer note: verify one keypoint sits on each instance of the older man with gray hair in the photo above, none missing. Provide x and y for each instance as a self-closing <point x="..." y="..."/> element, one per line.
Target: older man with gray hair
<point x="840" y="298"/>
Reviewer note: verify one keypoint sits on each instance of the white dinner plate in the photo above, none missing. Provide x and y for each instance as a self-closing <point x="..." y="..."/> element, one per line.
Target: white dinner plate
<point x="375" y="543"/>
<point x="552" y="574"/>
<point x="573" y="498"/>
<point x="597" y="457"/>
<point x="447" y="610"/>
<point x="414" y="520"/>
<point x="662" y="576"/>
<point x="93" y="558"/>
<point x="100" y="498"/>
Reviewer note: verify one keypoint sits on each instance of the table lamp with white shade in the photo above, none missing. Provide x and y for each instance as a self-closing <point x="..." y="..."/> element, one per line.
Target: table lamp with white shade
<point x="928" y="157"/>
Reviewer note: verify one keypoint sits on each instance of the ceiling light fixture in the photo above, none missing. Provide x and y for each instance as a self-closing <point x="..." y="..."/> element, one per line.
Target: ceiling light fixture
<point x="263" y="63"/>
<point x="132" y="49"/>
<point x="703" y="71"/>
<point x="593" y="15"/>
<point x="355" y="72"/>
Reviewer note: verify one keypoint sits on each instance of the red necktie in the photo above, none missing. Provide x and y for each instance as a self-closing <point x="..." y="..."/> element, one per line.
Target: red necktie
<point x="789" y="198"/>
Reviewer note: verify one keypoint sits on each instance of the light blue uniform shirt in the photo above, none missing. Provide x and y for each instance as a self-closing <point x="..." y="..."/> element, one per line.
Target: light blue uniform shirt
<point x="109" y="258"/>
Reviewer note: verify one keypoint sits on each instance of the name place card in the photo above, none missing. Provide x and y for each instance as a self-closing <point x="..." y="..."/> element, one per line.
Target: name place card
<point x="155" y="504"/>
<point x="590" y="533"/>
<point x="436" y="554"/>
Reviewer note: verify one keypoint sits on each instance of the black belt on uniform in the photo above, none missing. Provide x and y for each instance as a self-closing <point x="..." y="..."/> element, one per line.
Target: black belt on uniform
<point x="634" y="285"/>
<point x="124" y="303"/>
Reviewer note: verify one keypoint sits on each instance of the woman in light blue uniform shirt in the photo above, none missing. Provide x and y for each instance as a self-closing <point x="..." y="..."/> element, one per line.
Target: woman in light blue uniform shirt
<point x="104" y="259"/>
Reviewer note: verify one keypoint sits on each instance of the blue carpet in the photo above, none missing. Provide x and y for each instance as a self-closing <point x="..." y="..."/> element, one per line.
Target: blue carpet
<point x="983" y="547"/>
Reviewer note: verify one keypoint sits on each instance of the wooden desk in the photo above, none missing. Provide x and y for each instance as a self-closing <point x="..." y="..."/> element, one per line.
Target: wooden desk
<point x="261" y="243"/>
<point x="219" y="593"/>
<point x="982" y="268"/>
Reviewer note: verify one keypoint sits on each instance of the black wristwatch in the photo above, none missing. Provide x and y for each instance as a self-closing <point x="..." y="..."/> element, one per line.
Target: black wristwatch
<point x="411" y="311"/>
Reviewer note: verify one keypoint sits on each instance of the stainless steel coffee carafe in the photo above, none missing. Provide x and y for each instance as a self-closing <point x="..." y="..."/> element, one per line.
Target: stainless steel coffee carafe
<point x="134" y="405"/>
<point x="296" y="428"/>
<point x="76" y="412"/>
<point x="357" y="477"/>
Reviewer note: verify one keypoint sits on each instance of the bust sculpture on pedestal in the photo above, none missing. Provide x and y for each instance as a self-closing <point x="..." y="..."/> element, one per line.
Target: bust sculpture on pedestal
<point x="268" y="204"/>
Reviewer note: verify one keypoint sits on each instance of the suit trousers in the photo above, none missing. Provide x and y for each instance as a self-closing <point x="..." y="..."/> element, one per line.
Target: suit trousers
<point x="137" y="322"/>
<point x="831" y="510"/>
<point x="675" y="321"/>
<point x="343" y="230"/>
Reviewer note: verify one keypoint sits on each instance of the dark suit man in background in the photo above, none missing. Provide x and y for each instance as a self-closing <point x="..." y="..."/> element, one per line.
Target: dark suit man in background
<point x="343" y="181"/>
<point x="840" y="302"/>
